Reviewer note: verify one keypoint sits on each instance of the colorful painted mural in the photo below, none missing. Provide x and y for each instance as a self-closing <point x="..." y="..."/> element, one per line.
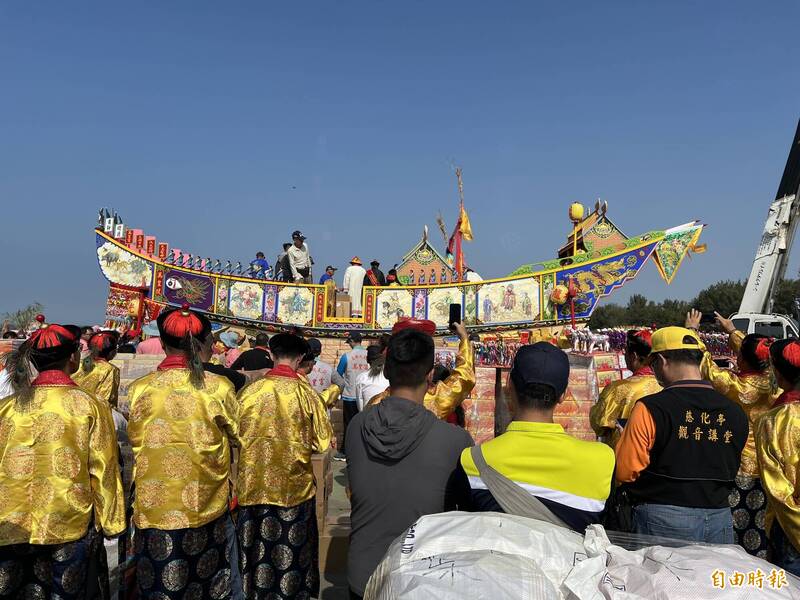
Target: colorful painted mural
<point x="295" y="305"/>
<point x="196" y="290"/>
<point x="246" y="300"/>
<point x="392" y="304"/>
<point x="600" y="278"/>
<point x="439" y="301"/>
<point x="509" y="302"/>
<point x="122" y="267"/>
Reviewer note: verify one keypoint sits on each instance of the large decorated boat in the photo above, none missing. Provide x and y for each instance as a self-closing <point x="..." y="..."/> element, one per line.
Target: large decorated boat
<point x="146" y="275"/>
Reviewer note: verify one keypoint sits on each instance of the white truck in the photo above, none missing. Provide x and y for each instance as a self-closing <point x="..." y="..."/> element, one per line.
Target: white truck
<point x="772" y="257"/>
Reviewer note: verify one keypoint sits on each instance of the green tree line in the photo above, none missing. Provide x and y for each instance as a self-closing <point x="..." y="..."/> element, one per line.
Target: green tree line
<point x="724" y="297"/>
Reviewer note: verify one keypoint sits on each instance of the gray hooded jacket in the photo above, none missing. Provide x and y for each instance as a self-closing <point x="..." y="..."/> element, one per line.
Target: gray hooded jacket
<point x="402" y="463"/>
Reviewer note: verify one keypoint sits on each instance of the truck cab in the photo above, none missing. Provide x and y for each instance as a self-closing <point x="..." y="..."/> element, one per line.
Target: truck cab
<point x="772" y="325"/>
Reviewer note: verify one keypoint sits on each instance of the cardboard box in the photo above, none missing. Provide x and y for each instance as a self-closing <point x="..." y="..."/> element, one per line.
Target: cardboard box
<point x="343" y="309"/>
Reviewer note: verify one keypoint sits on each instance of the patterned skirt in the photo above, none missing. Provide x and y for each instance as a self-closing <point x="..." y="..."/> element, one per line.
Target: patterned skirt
<point x="73" y="571"/>
<point x="279" y="551"/>
<point x="183" y="563"/>
<point x="748" y="506"/>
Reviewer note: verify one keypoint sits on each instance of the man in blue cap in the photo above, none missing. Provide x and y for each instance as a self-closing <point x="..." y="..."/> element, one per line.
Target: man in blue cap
<point x="571" y="477"/>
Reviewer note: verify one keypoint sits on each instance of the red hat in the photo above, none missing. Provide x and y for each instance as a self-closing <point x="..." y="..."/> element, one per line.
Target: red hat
<point x="423" y="325"/>
<point x="174" y="325"/>
<point x="53" y="343"/>
<point x="103" y="341"/>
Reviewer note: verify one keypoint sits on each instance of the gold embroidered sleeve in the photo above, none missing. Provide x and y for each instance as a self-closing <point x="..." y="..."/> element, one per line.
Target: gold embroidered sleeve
<point x="776" y="445"/>
<point x="226" y="416"/>
<point x="108" y="388"/>
<point x="452" y="391"/>
<point x="331" y="395"/>
<point x="735" y="340"/>
<point x="320" y="423"/>
<point x="725" y="381"/>
<point x="104" y="477"/>
<point x="603" y="415"/>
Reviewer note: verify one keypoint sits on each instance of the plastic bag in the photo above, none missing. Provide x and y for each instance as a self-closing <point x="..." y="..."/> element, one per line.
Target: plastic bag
<point x="494" y="555"/>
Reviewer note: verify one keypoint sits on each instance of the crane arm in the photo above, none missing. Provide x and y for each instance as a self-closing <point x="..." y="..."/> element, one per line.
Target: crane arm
<point x="772" y="255"/>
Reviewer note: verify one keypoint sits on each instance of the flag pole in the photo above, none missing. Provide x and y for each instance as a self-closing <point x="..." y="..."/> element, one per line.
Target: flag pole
<point x="459" y="252"/>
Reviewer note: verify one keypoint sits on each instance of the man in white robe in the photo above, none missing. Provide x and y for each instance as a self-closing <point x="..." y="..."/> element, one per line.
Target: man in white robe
<point x="353" y="284"/>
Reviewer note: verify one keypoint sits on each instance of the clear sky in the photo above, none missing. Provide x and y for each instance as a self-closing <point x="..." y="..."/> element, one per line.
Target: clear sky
<point x="221" y="127"/>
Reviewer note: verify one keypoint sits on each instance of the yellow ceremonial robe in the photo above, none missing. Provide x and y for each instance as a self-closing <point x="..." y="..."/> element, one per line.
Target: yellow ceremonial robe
<point x="449" y="393"/>
<point x="181" y="439"/>
<point x="755" y="392"/>
<point x="282" y="423"/>
<point x="59" y="469"/>
<point x="778" y="449"/>
<point x="616" y="402"/>
<point x="102" y="381"/>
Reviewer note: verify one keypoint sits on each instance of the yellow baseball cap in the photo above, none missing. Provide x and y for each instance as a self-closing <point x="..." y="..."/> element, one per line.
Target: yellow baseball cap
<point x="674" y="338"/>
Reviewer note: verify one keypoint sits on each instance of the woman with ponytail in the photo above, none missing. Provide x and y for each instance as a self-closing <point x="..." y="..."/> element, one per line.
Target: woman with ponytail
<point x="182" y="423"/>
<point x="59" y="474"/>
<point x="777" y="435"/>
<point x="751" y="387"/>
<point x="96" y="374"/>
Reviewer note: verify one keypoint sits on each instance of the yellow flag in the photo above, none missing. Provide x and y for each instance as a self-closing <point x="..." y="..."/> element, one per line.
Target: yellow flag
<point x="466" y="226"/>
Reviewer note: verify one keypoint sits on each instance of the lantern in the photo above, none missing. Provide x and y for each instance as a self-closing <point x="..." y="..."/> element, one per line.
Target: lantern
<point x="559" y="295"/>
<point x="576" y="212"/>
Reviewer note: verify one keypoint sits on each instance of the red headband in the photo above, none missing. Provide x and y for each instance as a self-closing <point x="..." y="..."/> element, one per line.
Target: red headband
<point x="50" y="336"/>
<point x="180" y="322"/>
<point x="423" y="325"/>
<point x="792" y="354"/>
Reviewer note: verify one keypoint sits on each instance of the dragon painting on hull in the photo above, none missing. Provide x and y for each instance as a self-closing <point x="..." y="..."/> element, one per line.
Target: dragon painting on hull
<point x="604" y="261"/>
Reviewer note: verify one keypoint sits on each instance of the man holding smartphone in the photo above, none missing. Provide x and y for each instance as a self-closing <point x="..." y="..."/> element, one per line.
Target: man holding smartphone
<point x="443" y="398"/>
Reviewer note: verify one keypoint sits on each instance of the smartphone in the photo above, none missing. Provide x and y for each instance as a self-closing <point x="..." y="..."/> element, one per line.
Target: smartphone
<point x="455" y="314"/>
<point x="708" y="319"/>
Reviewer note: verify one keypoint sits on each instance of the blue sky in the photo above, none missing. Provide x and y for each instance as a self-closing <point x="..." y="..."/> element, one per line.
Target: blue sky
<point x="221" y="128"/>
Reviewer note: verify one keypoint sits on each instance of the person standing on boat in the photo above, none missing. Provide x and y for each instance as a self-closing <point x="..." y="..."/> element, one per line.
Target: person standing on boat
<point x="259" y="268"/>
<point x="375" y="276"/>
<point x="300" y="260"/>
<point x="353" y="284"/>
<point x="283" y="272"/>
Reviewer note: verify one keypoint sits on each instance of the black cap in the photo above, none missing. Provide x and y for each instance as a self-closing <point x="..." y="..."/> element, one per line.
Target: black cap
<point x="355" y="336"/>
<point x="331" y="268"/>
<point x="296" y="234"/>
<point x="375" y="262"/>
<point x="286" y="344"/>
<point x="541" y="363"/>
<point x="315" y="346"/>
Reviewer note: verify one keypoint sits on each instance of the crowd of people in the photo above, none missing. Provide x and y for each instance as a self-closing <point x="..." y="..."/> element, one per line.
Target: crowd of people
<point x="222" y="498"/>
<point x="294" y="265"/>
